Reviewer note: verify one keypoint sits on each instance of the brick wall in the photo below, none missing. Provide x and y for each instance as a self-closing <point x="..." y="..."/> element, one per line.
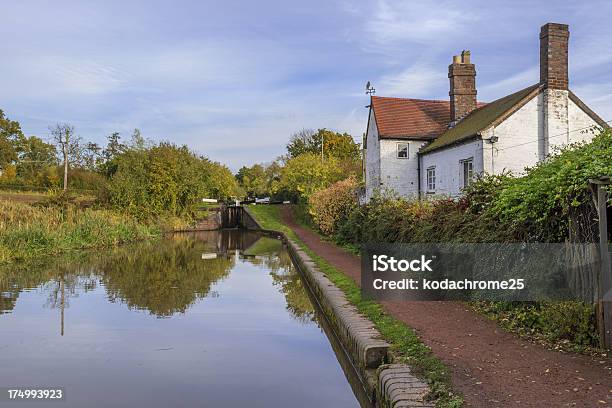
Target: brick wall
<point x="462" y="75"/>
<point x="554" y="39"/>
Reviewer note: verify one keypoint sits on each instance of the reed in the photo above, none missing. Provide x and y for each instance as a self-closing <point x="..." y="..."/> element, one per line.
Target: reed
<point x="30" y="231"/>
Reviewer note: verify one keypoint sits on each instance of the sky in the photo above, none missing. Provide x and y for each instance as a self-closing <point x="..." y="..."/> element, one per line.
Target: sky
<point x="234" y="79"/>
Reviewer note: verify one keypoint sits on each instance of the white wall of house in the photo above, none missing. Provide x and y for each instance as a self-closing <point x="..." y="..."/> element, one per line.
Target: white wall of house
<point x="372" y="158"/>
<point x="384" y="170"/>
<point x="545" y="123"/>
<point x="519" y="140"/>
<point x="578" y="121"/>
<point x="448" y="165"/>
<point x="400" y="174"/>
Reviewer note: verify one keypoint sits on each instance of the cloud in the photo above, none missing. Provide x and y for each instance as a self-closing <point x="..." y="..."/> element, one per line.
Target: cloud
<point x="492" y="91"/>
<point x="420" y="80"/>
<point x="398" y="24"/>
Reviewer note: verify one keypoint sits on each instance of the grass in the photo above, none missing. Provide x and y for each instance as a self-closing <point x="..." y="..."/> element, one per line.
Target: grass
<point x="21" y="196"/>
<point x="405" y="344"/>
<point x="27" y="232"/>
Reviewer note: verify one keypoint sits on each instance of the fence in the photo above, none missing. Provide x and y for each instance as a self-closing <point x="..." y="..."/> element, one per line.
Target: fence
<point x="591" y="222"/>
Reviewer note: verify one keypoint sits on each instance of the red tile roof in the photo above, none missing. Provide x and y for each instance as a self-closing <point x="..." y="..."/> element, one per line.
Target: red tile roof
<point x="410" y="118"/>
<point x="405" y="118"/>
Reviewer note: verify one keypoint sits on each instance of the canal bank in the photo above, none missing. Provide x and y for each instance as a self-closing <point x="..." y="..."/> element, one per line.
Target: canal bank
<point x="387" y="380"/>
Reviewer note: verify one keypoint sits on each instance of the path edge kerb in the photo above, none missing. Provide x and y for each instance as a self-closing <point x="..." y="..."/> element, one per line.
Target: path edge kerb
<point x="392" y="385"/>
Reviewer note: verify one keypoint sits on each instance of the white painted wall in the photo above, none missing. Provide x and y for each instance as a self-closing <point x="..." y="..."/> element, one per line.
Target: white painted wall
<point x="578" y="121"/>
<point x="398" y="174"/>
<point x="545" y="123"/>
<point x="384" y="171"/>
<point x="519" y="140"/>
<point x="449" y="167"/>
<point x="372" y="159"/>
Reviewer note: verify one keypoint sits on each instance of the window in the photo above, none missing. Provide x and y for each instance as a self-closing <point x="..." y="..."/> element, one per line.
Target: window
<point x="431" y="179"/>
<point x="402" y="150"/>
<point x="468" y="172"/>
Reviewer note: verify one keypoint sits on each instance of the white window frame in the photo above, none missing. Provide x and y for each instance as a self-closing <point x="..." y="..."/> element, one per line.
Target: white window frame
<point x="431" y="179"/>
<point x="400" y="147"/>
<point x="469" y="179"/>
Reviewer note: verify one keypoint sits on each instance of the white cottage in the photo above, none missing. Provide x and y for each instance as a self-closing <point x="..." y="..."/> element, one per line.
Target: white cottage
<point x="417" y="147"/>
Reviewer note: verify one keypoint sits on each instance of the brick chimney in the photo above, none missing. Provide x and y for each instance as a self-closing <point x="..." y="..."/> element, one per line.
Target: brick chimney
<point x="462" y="93"/>
<point x="554" y="40"/>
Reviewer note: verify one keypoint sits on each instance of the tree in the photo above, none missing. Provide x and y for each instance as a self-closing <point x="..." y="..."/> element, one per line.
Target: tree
<point x="10" y="138"/>
<point x="222" y="183"/>
<point x="114" y="146"/>
<point x="305" y="174"/>
<point x="34" y="155"/>
<point x="253" y="180"/>
<point x="165" y="179"/>
<point x="91" y="156"/>
<point x="324" y="143"/>
<point x="69" y="144"/>
<point x="302" y="142"/>
<point x="7" y="153"/>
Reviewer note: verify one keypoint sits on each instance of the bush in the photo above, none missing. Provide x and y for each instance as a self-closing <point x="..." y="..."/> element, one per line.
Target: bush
<point x="331" y="206"/>
<point x="83" y="179"/>
<point x="306" y="174"/>
<point x="562" y="323"/>
<point x="540" y="202"/>
<point x="165" y="180"/>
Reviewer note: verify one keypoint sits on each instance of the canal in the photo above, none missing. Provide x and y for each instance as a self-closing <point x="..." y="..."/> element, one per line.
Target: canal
<point x="209" y="319"/>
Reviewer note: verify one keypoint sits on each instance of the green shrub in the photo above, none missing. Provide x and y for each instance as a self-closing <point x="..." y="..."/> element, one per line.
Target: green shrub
<point x="329" y="207"/>
<point x="164" y="180"/>
<point x="563" y="323"/>
<point x="540" y="202"/>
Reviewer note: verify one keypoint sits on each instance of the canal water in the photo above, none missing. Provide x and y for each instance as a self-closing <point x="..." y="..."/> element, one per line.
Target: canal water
<point x="215" y="319"/>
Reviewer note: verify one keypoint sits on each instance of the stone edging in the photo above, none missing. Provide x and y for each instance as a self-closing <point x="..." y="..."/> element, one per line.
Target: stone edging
<point x="388" y="385"/>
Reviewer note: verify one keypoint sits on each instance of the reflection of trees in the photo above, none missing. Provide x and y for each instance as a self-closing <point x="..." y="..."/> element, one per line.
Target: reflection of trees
<point x="8" y="298"/>
<point x="161" y="278"/>
<point x="14" y="279"/>
<point x="295" y="293"/>
<point x="62" y="278"/>
<point x="285" y="277"/>
<point x="62" y="288"/>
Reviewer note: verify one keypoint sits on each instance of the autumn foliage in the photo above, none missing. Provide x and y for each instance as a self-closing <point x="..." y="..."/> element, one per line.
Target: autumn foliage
<point x="330" y="206"/>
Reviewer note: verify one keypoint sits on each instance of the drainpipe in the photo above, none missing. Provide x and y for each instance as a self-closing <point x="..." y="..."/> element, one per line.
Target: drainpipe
<point x="492" y="140"/>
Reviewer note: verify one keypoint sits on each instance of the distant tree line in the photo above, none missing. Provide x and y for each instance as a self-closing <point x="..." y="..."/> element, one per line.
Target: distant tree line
<point x="136" y="175"/>
<point x="314" y="160"/>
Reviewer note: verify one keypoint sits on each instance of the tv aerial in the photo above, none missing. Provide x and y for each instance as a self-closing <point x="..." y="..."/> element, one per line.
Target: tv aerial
<point x="370" y="89"/>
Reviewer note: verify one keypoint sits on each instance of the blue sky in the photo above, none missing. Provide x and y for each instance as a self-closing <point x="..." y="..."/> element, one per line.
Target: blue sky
<point x="234" y="79"/>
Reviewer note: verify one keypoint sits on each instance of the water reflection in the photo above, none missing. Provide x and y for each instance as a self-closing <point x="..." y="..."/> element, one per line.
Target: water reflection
<point x="163" y="279"/>
<point x="268" y="252"/>
<point x="208" y="319"/>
